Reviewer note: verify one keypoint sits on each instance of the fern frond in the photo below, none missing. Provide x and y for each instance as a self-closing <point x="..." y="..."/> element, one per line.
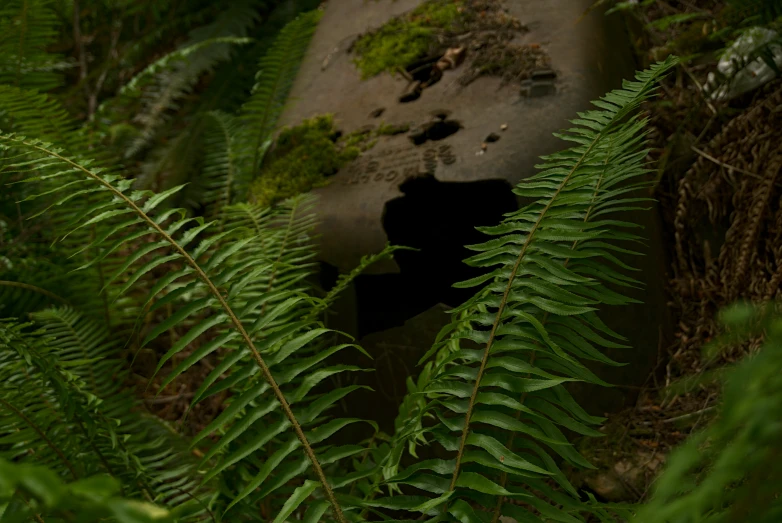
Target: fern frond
<point x="495" y="379"/>
<point x="27" y="28"/>
<point x="344" y="280"/>
<point x="217" y="182"/>
<point x="32" y="492"/>
<point x="276" y="72"/>
<point x="173" y="77"/>
<point x="35" y="114"/>
<point x="147" y="450"/>
<point x="210" y="285"/>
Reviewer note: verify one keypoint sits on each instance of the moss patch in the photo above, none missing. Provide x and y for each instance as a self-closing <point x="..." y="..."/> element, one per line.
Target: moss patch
<point x="408" y="38"/>
<point x="303" y="157"/>
<point x="483" y="28"/>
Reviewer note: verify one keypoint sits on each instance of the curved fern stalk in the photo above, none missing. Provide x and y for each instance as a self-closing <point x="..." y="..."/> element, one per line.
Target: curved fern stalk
<point x="134" y="207"/>
<point x="281" y="244"/>
<point x="27" y="111"/>
<point x="552" y="261"/>
<point x="276" y="73"/>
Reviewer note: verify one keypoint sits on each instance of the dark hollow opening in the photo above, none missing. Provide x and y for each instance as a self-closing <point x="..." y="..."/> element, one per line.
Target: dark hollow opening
<point x="435" y="131"/>
<point x="438" y="219"/>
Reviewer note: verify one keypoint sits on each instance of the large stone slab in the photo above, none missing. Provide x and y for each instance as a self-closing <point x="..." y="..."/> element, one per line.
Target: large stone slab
<point x="590" y="56"/>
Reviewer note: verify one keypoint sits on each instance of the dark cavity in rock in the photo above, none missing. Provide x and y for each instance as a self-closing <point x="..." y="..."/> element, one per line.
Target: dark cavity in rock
<point x="438" y="130"/>
<point x="438" y="219"/>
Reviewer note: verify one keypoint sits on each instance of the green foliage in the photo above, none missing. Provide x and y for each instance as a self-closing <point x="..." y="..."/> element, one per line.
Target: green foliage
<point x="64" y="402"/>
<point x="729" y="471"/>
<point x="231" y="291"/>
<point x="28" y="27"/>
<point x="405" y="39"/>
<point x="493" y="383"/>
<point x="173" y="78"/>
<point x="754" y="11"/>
<point x="276" y="73"/>
<point x="33" y="491"/>
<point x="303" y="157"/>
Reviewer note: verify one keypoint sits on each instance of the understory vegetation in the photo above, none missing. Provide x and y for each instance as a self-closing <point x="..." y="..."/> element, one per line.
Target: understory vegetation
<point x="155" y="229"/>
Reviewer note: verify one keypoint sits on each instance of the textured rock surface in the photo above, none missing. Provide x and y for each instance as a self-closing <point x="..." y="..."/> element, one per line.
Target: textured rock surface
<point x="589" y="55"/>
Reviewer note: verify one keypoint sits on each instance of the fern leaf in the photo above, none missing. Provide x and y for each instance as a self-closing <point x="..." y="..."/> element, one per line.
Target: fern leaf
<point x="28" y="491"/>
<point x="276" y="73"/>
<point x="203" y="281"/>
<point x="27" y="28"/>
<point x="495" y="377"/>
<point x="174" y="77"/>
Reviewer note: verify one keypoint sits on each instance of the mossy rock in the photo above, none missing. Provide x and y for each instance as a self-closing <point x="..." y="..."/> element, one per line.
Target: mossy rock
<point x="408" y="38"/>
<point x="303" y="157"/>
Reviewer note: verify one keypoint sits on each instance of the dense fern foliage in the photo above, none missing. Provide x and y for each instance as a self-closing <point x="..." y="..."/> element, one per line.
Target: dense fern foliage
<point x="126" y="234"/>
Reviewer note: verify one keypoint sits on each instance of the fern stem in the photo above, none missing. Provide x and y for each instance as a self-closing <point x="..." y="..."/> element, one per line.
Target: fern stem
<point x="37" y="517"/>
<point x="231" y="315"/>
<point x="501" y="309"/>
<point x="37" y="429"/>
<point x="27" y="286"/>
<point x="504" y="476"/>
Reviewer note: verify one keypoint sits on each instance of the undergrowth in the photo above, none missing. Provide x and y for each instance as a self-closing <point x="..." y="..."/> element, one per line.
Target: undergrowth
<point x="202" y="279"/>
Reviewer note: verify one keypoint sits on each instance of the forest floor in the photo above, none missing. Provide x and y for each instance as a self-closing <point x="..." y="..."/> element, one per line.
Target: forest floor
<point x="716" y="180"/>
<point x="717" y="169"/>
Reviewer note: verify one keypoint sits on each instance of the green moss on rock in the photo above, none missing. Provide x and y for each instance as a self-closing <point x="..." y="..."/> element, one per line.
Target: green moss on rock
<point x="304" y="156"/>
<point x="406" y="39"/>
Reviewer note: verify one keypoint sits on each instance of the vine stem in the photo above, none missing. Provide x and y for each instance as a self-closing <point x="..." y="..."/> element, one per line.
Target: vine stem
<point x="501" y="309"/>
<point x="231" y="315"/>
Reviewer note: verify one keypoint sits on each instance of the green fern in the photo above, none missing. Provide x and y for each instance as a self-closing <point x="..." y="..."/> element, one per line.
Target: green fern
<point x="276" y="73"/>
<point x="217" y="184"/>
<point x="29" y="491"/>
<point x="63" y="396"/>
<point x="27" y="28"/>
<point x="173" y="78"/>
<point x="494" y="381"/>
<point x="205" y="282"/>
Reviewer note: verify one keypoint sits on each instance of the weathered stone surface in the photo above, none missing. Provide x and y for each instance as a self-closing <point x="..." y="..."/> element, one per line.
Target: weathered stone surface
<point x="447" y="139"/>
<point x="589" y="59"/>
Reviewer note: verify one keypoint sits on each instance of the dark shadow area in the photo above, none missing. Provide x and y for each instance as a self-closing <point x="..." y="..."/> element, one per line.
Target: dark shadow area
<point x="438" y="219"/>
<point x="435" y="131"/>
